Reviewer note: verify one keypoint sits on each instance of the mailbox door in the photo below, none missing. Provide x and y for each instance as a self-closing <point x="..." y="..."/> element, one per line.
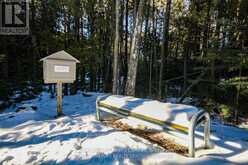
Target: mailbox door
<point x="60" y="70"/>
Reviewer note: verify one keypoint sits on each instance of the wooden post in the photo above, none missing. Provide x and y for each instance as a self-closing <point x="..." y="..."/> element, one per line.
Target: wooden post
<point x="59" y="98"/>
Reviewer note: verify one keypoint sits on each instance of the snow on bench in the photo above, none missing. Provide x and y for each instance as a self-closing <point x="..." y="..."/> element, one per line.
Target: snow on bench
<point x="180" y="117"/>
<point x="177" y="115"/>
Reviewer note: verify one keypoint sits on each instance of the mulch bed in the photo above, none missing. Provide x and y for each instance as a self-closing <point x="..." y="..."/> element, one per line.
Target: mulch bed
<point x="151" y="135"/>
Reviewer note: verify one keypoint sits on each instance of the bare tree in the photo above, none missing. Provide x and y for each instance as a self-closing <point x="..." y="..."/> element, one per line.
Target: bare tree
<point x="164" y="49"/>
<point x="116" y="72"/>
<point x="133" y="60"/>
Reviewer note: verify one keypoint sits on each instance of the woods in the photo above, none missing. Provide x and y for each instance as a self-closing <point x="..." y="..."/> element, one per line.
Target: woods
<point x="157" y="49"/>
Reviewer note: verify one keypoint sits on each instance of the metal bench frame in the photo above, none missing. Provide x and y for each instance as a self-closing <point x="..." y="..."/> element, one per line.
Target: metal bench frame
<point x="201" y="117"/>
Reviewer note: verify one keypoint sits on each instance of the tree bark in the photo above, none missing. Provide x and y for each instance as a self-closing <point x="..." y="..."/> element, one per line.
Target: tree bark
<point x="164" y="49"/>
<point x="206" y="30"/>
<point x="185" y="69"/>
<point x="115" y="89"/>
<point x="133" y="60"/>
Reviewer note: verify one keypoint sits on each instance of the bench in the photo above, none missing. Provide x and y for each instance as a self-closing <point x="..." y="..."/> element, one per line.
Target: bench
<point x="178" y="117"/>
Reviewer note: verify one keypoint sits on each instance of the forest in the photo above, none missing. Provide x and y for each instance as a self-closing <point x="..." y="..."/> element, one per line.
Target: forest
<point x="159" y="49"/>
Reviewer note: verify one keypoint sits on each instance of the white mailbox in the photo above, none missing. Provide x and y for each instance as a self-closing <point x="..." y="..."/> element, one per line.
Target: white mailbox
<point x="59" y="67"/>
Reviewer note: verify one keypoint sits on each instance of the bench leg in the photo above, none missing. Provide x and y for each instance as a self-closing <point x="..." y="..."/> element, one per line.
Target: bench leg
<point x="194" y="122"/>
<point x="207" y="132"/>
<point x="191" y="142"/>
<point x="98" y="116"/>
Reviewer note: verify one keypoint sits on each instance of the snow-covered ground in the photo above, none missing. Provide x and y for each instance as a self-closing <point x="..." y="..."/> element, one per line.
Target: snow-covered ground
<point x="36" y="137"/>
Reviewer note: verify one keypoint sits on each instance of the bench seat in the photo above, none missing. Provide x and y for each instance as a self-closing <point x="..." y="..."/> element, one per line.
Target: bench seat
<point x="177" y="116"/>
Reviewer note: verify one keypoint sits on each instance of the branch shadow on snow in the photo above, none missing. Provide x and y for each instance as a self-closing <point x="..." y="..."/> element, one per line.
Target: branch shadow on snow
<point x="172" y="114"/>
<point x="119" y="155"/>
<point x="73" y="106"/>
<point x="38" y="139"/>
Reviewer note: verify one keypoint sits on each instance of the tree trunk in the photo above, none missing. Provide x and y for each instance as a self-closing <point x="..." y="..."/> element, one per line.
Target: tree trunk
<point x="116" y="84"/>
<point x="185" y="64"/>
<point x="146" y="50"/>
<point x="236" y="116"/>
<point x="65" y="42"/>
<point x="133" y="61"/>
<point x="206" y="30"/>
<point x="164" y="49"/>
<point x="126" y="37"/>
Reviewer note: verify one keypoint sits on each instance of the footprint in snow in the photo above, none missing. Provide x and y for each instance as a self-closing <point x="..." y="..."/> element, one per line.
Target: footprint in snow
<point x="77" y="147"/>
<point x="79" y="143"/>
<point x="33" y="153"/>
<point x="66" y="104"/>
<point x="31" y="159"/>
<point x="7" y="159"/>
<point x="52" y="126"/>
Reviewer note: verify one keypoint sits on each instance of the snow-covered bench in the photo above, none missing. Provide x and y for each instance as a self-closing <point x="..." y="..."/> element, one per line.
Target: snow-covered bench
<point x="174" y="116"/>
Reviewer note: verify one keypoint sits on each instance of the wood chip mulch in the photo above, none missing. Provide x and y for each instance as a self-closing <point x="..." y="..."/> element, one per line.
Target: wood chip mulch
<point x="150" y="135"/>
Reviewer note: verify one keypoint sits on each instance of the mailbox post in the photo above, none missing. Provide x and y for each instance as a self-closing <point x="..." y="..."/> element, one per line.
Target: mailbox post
<point x="59" y="68"/>
<point x="59" y="98"/>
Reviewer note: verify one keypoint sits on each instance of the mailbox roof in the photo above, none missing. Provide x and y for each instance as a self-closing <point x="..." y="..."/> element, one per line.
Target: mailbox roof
<point x="61" y="55"/>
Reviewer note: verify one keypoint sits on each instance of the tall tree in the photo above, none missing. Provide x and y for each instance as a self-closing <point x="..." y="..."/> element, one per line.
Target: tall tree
<point x="133" y="60"/>
<point x="116" y="83"/>
<point x="164" y="49"/>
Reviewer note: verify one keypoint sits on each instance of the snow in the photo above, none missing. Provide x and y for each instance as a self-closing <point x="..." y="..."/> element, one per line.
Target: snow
<point x="36" y="137"/>
<point x="174" y="113"/>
